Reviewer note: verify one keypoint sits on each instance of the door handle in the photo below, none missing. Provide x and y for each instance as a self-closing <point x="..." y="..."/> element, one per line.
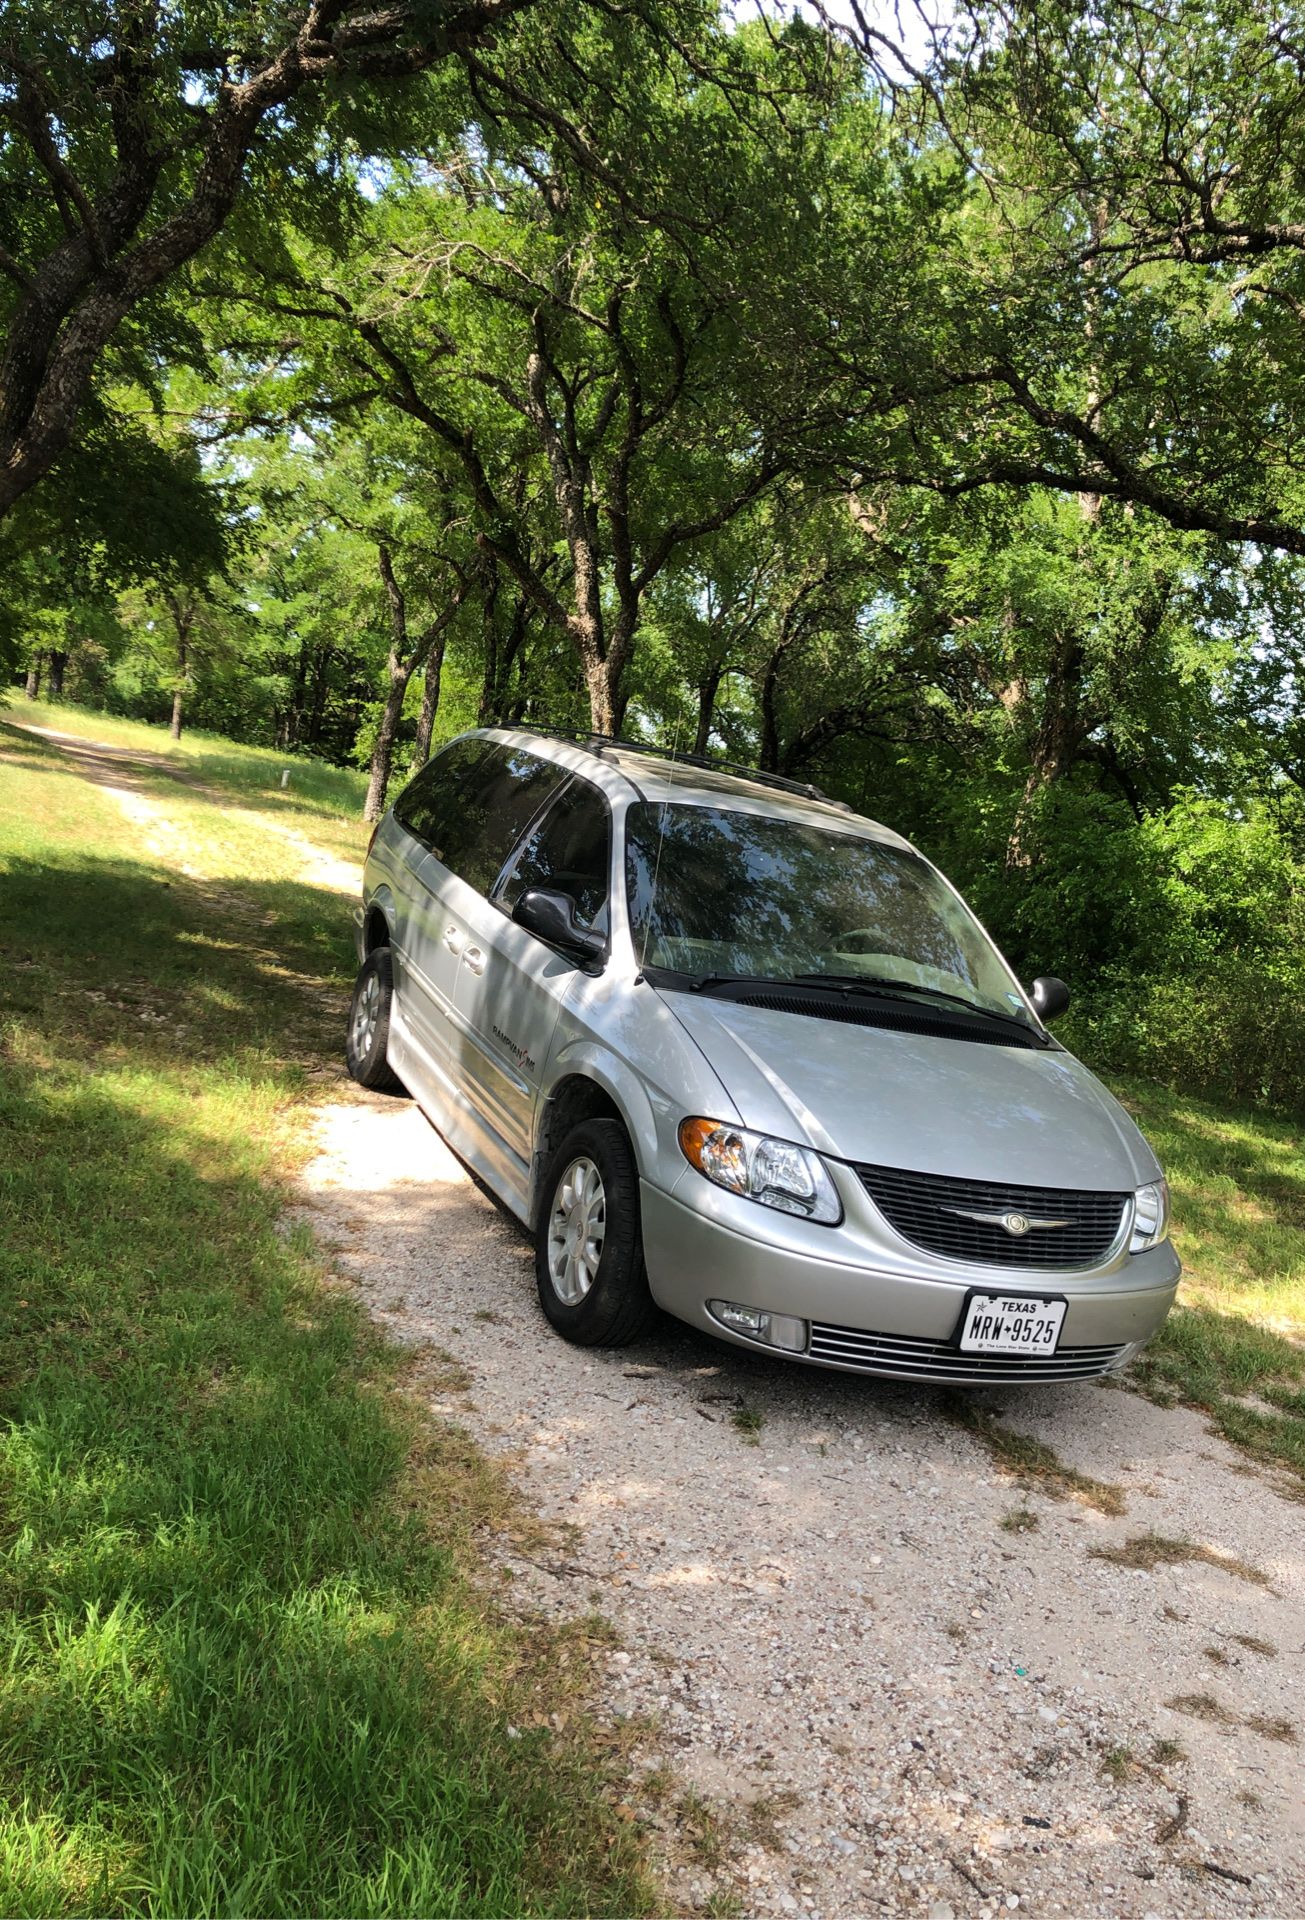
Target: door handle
<point x="474" y="958"/>
<point x="453" y="939"/>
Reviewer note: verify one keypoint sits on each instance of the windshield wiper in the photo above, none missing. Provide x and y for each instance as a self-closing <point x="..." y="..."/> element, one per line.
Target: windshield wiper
<point x="705" y="982"/>
<point x="875" y="983"/>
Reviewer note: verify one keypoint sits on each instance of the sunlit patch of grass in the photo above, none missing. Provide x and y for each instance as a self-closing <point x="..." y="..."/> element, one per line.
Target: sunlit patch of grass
<point x="1147" y="1551"/>
<point x="1235" y="1344"/>
<point x="244" y="1664"/>
<point x="320" y="800"/>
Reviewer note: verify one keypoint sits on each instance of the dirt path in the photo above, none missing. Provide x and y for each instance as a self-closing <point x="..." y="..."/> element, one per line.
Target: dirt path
<point x="124" y="772"/>
<point x="894" y="1694"/>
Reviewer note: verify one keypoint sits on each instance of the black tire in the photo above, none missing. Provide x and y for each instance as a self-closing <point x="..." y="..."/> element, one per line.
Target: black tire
<point x="368" y="1033"/>
<point x="617" y="1306"/>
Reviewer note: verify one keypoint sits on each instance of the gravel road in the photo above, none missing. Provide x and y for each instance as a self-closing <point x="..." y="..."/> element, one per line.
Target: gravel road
<point x="883" y="1678"/>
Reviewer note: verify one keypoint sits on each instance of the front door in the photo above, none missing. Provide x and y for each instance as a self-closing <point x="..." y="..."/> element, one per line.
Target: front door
<point x="510" y="985"/>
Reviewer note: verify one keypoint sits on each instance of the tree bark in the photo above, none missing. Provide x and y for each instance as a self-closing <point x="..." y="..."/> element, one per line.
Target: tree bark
<point x="58" y="661"/>
<point x="399" y="669"/>
<point x="708" y="688"/>
<point x="1056" y="744"/>
<point x="183" y="619"/>
<point x="33" y="685"/>
<point x="430" y="704"/>
<point x="292" y="723"/>
<point x="321" y="664"/>
<point x="769" y="711"/>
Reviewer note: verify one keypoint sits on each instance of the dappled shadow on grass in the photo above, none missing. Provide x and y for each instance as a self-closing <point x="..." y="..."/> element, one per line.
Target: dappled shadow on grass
<point x="1245" y="1376"/>
<point x="130" y="956"/>
<point x="1234" y="1174"/>
<point x="242" y="1669"/>
<point x="234" y="1664"/>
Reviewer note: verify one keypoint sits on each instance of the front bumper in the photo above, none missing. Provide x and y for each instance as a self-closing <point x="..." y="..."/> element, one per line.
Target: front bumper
<point x="902" y="1325"/>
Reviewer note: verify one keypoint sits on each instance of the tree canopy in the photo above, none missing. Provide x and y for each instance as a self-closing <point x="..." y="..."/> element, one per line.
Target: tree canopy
<point x="916" y="409"/>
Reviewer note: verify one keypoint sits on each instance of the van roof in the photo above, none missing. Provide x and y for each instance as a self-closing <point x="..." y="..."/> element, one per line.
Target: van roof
<point x="690" y="780"/>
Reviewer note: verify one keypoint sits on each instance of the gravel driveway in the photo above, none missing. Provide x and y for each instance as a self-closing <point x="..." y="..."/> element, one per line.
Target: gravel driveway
<point x="882" y="1678"/>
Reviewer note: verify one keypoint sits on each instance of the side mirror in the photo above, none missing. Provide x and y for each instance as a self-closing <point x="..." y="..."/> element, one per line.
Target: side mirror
<point x="550" y="916"/>
<point x="1050" y="996"/>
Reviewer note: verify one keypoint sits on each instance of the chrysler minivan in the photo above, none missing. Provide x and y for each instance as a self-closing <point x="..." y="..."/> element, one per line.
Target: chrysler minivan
<point x="729" y="1050"/>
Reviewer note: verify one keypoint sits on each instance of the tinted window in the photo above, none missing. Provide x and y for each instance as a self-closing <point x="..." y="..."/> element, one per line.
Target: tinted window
<point x="570" y="851"/>
<point x="471" y="804"/>
<point x="712" y="891"/>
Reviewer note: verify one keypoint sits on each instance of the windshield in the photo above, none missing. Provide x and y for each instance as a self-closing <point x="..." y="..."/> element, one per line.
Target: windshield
<point x="718" y="893"/>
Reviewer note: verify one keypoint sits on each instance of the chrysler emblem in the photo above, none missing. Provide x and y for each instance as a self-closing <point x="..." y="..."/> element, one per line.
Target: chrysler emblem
<point x="1014" y="1223"/>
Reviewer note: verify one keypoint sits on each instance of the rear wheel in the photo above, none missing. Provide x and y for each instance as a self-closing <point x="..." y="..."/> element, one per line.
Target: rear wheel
<point x="588" y="1247"/>
<point x="369" y="1024"/>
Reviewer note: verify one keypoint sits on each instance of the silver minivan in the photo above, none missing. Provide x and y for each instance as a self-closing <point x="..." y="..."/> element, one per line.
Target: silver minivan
<point x="730" y="1050"/>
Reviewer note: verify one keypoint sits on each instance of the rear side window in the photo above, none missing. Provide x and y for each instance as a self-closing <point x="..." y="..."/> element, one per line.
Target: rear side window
<point x="570" y="851"/>
<point x="471" y="804"/>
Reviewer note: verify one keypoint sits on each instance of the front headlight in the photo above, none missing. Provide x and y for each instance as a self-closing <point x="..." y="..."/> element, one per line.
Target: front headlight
<point x="1150" y="1216"/>
<point x="775" y="1173"/>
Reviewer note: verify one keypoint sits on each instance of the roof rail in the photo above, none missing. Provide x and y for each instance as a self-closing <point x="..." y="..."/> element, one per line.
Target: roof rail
<point x="599" y="742"/>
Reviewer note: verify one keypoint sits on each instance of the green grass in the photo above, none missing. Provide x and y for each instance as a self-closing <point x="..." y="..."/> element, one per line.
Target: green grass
<point x="246" y="1664"/>
<point x="1238" y="1333"/>
<point x="748" y="1422"/>
<point x="322" y="801"/>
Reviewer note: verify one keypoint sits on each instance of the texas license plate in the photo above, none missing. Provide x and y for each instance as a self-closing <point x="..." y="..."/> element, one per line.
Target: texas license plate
<point x="1011" y="1323"/>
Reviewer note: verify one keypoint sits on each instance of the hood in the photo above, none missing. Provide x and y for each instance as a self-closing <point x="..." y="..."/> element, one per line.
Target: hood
<point x="1034" y="1117"/>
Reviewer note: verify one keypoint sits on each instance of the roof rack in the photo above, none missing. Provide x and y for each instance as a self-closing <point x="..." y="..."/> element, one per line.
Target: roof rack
<point x="599" y="742"/>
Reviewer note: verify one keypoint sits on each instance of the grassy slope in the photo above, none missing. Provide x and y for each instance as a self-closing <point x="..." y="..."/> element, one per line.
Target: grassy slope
<point x="1238" y="1185"/>
<point x="322" y="801"/>
<point x="243" y="1667"/>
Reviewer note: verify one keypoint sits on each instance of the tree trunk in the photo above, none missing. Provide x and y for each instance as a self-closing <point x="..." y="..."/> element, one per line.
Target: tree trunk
<point x="769" y="718"/>
<point x="708" y="688"/>
<point x="33" y="686"/>
<point x="378" y="778"/>
<point x="183" y="616"/>
<point x="602" y="712"/>
<point x="292" y="725"/>
<point x="498" y="706"/>
<point x="320" y="665"/>
<point x="606" y="657"/>
<point x="58" y="661"/>
<point x="490" y="705"/>
<point x="1057" y="743"/>
<point x="430" y="704"/>
<point x="400" y="668"/>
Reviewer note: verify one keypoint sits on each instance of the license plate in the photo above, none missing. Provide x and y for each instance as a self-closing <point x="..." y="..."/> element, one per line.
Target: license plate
<point x="1011" y="1323"/>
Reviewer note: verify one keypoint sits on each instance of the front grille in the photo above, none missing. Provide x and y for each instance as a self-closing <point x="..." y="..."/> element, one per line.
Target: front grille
<point x="938" y="1360"/>
<point x="860" y="1013"/>
<point x="928" y="1209"/>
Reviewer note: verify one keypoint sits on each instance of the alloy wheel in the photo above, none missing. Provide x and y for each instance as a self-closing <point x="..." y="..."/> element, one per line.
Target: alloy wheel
<point x="576" y="1229"/>
<point x="366" y="1016"/>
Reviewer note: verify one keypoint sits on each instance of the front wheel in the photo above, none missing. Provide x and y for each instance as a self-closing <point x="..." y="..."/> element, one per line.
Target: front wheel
<point x="588" y="1246"/>
<point x="367" y="1041"/>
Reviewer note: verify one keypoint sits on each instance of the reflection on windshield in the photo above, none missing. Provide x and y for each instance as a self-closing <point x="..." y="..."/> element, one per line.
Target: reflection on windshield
<point x="740" y="893"/>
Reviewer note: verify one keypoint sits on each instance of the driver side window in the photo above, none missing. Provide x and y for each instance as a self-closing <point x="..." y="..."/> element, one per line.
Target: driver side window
<point x="570" y="852"/>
